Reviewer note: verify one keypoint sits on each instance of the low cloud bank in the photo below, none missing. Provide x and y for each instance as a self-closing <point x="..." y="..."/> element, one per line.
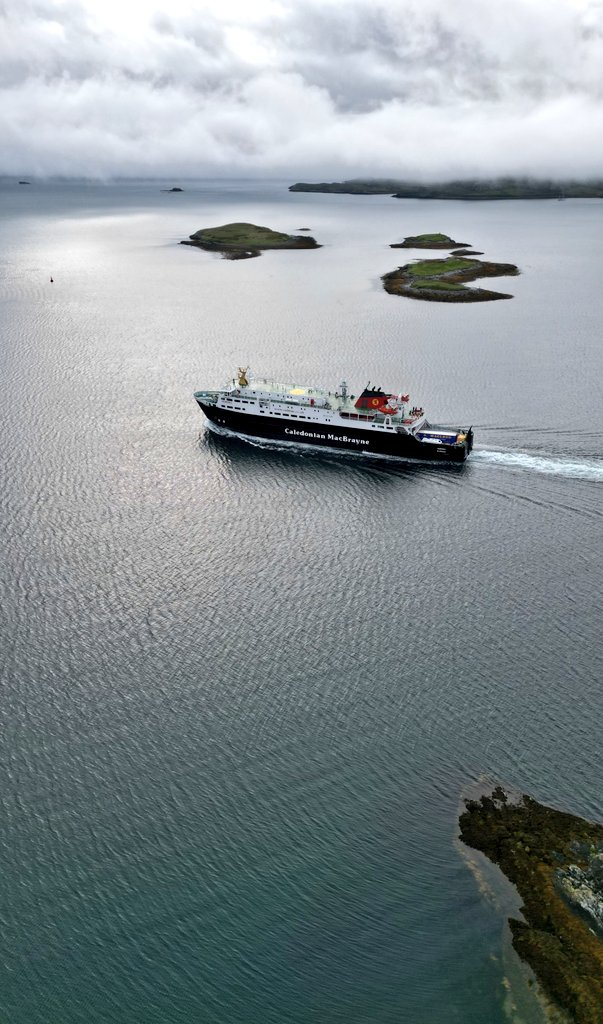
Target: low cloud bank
<point x="418" y="89"/>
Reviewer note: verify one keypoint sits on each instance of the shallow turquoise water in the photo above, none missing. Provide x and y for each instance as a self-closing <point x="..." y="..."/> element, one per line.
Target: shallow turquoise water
<point x="243" y="690"/>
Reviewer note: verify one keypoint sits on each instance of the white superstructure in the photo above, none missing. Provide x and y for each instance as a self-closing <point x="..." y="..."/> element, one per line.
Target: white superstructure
<point x="315" y="406"/>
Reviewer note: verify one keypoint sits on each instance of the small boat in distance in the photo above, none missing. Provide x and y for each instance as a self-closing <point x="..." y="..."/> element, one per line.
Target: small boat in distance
<point x="372" y="422"/>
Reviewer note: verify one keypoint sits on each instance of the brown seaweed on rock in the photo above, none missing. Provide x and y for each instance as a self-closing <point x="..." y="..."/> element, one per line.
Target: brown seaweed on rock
<point x="554" y="860"/>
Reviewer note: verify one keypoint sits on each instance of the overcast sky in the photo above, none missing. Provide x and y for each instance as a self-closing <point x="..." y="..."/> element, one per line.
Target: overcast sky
<point x="303" y="89"/>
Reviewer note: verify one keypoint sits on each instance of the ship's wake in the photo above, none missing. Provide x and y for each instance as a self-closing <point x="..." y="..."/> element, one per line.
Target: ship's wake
<point x="577" y="469"/>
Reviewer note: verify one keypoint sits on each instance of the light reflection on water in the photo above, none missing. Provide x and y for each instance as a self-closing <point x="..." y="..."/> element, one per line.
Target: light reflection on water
<point x="243" y="688"/>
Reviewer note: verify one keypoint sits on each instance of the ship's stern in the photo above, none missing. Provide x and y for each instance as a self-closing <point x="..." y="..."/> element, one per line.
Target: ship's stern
<point x="448" y="444"/>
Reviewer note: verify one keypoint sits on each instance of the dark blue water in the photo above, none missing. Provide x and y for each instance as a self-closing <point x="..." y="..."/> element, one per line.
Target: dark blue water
<point x="244" y="689"/>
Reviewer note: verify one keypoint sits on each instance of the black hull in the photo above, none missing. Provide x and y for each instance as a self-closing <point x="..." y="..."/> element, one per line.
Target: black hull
<point x="348" y="439"/>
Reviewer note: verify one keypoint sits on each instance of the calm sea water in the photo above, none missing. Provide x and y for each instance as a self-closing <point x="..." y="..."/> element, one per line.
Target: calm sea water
<point x="244" y="689"/>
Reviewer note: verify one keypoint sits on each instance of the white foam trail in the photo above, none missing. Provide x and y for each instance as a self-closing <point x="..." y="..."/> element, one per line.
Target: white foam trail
<point x="577" y="469"/>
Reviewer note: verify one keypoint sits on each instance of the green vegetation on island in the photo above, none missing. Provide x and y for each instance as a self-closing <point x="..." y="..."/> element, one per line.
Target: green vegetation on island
<point x="243" y="241"/>
<point x="555" y="861"/>
<point x="445" y="280"/>
<point x="356" y="187"/>
<point x="495" y="188"/>
<point x="433" y="241"/>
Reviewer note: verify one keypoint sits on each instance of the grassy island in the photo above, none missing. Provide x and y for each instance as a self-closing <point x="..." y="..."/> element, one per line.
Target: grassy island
<point x="243" y="241"/>
<point x="445" y="280"/>
<point x="555" y="861"/>
<point x="493" y="188"/>
<point x="434" y="241"/>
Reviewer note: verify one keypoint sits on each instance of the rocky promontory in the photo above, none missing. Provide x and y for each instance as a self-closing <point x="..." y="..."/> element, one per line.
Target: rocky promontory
<point x="555" y="861"/>
<point x="243" y="241"/>
<point x="445" y="280"/>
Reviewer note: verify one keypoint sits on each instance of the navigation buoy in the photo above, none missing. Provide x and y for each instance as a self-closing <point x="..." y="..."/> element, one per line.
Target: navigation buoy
<point x="51" y="281"/>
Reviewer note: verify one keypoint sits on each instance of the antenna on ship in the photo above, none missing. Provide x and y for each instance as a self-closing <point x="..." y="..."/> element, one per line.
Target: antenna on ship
<point x="344" y="390"/>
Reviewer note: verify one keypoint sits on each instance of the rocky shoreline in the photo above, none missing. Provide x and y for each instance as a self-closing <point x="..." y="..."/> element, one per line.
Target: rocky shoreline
<point x="445" y="280"/>
<point x="555" y="861"/>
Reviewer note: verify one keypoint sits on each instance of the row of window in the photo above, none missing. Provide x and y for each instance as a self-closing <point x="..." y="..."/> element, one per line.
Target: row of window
<point x="303" y="416"/>
<point x="299" y="416"/>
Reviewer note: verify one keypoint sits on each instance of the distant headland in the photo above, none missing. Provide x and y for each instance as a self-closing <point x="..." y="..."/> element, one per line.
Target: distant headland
<point x="555" y="861"/>
<point x="496" y="188"/>
<point x="242" y="241"/>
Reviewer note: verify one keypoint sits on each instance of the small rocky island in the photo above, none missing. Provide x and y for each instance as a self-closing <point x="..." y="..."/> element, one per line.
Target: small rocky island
<point x="243" y="241"/>
<point x="445" y="280"/>
<point x="555" y="861"/>
<point x="434" y="241"/>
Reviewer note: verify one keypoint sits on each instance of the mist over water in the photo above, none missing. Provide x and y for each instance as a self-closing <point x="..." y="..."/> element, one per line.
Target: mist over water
<point x="244" y="687"/>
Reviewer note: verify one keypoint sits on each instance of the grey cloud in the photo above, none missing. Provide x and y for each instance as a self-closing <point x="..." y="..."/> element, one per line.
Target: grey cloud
<point x="418" y="88"/>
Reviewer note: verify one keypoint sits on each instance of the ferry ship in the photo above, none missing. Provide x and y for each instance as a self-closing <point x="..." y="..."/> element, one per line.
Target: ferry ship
<point x="372" y="422"/>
